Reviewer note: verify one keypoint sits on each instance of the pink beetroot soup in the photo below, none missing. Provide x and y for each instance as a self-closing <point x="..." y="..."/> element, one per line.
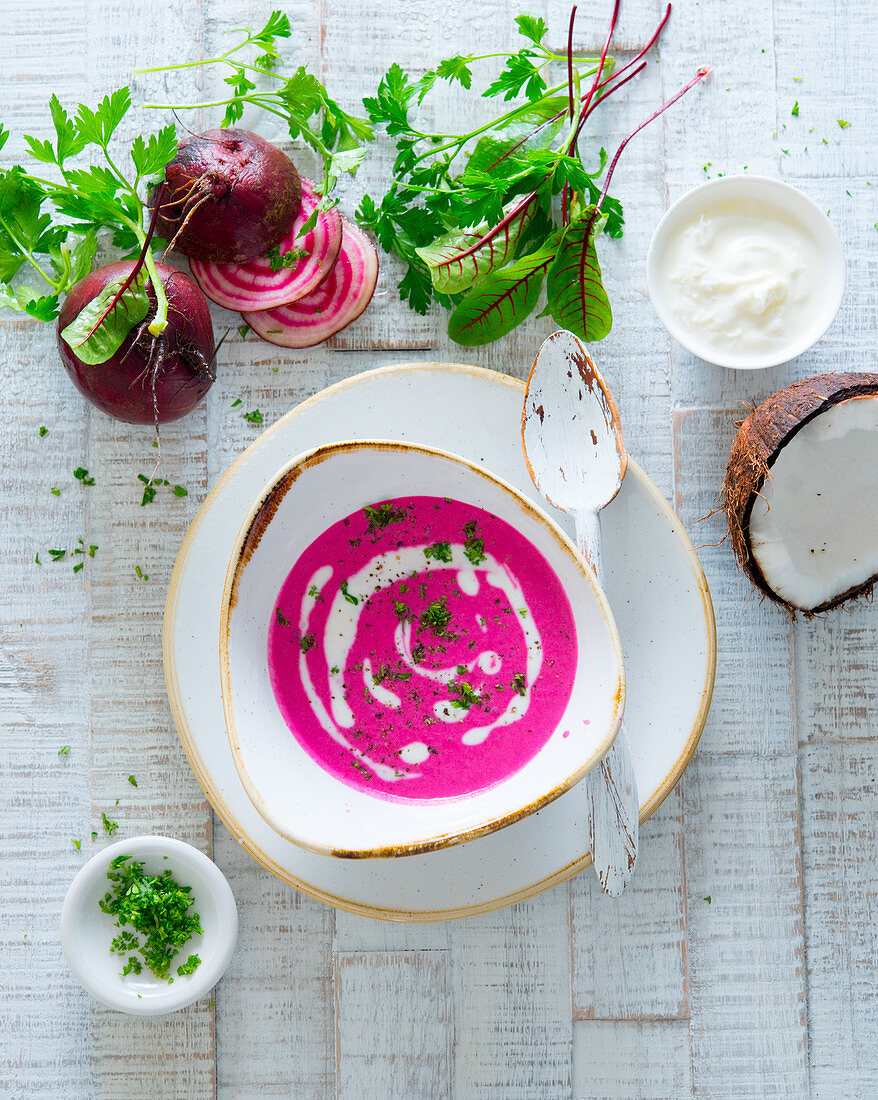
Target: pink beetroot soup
<point x="422" y="648"/>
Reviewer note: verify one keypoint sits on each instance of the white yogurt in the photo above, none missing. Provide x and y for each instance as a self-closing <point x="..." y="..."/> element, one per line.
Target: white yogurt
<point x="742" y="276"/>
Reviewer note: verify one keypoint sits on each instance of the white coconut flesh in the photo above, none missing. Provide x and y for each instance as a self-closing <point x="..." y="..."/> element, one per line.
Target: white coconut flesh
<point x="814" y="526"/>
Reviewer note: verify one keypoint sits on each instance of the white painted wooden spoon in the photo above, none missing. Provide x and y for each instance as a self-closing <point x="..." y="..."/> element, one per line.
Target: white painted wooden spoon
<point x="576" y="456"/>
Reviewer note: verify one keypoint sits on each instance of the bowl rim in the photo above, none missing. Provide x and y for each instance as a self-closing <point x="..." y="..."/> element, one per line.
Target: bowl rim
<point x="815" y="219"/>
<point x="181" y="856"/>
<point x="494" y="821"/>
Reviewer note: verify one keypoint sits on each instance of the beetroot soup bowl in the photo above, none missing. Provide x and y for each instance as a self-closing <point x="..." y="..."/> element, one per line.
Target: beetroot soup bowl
<point x="412" y="654"/>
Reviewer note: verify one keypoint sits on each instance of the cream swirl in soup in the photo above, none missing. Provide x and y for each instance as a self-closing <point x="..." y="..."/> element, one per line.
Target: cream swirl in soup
<point x="422" y="648"/>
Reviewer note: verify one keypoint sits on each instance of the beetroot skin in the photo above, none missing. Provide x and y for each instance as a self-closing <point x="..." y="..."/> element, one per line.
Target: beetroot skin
<point x="233" y="196"/>
<point x="150" y="380"/>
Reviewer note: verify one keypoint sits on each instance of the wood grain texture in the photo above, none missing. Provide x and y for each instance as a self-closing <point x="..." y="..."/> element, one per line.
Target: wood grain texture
<point x="744" y="922"/>
<point x="380" y="1052"/>
<point x="621" y="1059"/>
<point x="512" y="1000"/>
<point x="839" y="838"/>
<point x="629" y="956"/>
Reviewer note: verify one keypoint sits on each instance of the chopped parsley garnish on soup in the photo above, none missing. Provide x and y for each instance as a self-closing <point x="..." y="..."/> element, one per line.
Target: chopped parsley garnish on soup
<point x="433" y="650"/>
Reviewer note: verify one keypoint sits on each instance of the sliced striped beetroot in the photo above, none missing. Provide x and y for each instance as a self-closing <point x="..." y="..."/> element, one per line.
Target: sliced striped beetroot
<point x="340" y="299"/>
<point x="253" y="285"/>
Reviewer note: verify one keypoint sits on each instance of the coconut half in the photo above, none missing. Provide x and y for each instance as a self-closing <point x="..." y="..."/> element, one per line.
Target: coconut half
<point x="801" y="492"/>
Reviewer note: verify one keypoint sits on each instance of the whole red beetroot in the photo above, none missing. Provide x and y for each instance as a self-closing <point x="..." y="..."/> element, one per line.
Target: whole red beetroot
<point x="231" y="196"/>
<point x="150" y="379"/>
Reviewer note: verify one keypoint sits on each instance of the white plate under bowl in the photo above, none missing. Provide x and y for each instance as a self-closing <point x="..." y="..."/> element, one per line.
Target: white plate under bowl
<point x="653" y="580"/>
<point x="295" y="794"/>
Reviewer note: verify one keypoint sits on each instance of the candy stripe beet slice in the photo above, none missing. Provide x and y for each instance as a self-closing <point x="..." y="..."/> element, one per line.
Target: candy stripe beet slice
<point x="340" y="299"/>
<point x="254" y="286"/>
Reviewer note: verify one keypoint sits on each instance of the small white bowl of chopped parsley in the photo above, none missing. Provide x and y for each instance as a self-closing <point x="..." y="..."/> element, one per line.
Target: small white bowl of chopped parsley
<point x="149" y="925"/>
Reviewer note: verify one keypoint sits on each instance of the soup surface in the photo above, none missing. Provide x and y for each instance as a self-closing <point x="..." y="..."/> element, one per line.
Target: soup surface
<point x="422" y="648"/>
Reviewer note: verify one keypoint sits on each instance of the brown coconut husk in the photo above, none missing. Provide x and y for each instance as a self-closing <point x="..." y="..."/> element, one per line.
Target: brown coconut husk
<point x="759" y="441"/>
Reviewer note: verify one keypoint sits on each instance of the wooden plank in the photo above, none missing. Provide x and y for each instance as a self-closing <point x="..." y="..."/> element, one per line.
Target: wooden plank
<point x="752" y="709"/>
<point x="44" y="706"/>
<point x="46" y="1037"/>
<point x="512" y="999"/>
<point x="839" y="843"/>
<point x="746" y="949"/>
<point x="621" y="1059"/>
<point x="629" y="955"/>
<point x="395" y="1026"/>
<point x="275" y="1005"/>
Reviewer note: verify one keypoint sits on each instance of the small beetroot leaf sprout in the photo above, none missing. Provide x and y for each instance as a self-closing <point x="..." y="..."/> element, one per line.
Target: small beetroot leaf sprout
<point x="472" y="214"/>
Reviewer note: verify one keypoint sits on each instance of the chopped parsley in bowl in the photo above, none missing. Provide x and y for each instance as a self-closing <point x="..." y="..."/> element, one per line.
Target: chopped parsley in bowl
<point x="148" y="925"/>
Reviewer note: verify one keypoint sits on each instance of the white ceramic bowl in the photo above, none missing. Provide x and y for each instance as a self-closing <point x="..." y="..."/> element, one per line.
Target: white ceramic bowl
<point x="794" y="203"/>
<point x="298" y="797"/>
<point x="86" y="931"/>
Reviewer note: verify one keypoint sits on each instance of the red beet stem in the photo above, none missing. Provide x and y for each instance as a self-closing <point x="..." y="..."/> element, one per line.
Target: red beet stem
<point x="570" y="59"/>
<point x="700" y="75"/>
<point x="135" y="271"/>
<point x="597" y="78"/>
<point x="643" y="52"/>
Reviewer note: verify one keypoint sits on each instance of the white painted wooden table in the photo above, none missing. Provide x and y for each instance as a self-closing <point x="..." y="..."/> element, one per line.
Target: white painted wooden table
<point x="742" y="961"/>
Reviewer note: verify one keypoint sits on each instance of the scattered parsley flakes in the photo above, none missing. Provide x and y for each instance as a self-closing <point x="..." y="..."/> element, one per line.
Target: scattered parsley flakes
<point x="44" y="431"/>
<point x="236" y="402"/>
<point x="467" y="696"/>
<point x="57" y="555"/>
<point x="243" y="330"/>
<point x="347" y="595"/>
<point x="281" y="618"/>
<point x="179" y="491"/>
<point x="708" y="899"/>
<point x="81" y="474"/>
<point x="382" y="515"/>
<point x="110" y="826"/>
<point x="436" y="617"/>
<point x="474" y="550"/>
<point x="64" y="750"/>
<point x="148" y="490"/>
<point x="334" y="671"/>
<point x="77" y="844"/>
<point x="37" y="559"/>
<point x="277" y="259"/>
<point x="795" y="111"/>
<point x="519" y="683"/>
<point x="842" y="123"/>
<point x="138" y="572"/>
<point x="254" y="416"/>
<point x="441" y="551"/>
<point x="132" y="780"/>
<point x="307" y="642"/>
<point x="55" y="492"/>
<point x="156" y="908"/>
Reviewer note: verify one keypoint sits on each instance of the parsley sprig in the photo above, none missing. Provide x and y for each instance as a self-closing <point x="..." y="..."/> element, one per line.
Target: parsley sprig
<point x="299" y="98"/>
<point x="51" y="225"/>
<point x="483" y="218"/>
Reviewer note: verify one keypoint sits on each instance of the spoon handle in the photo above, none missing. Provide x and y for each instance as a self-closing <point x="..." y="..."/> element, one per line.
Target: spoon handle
<point x="613" y="807"/>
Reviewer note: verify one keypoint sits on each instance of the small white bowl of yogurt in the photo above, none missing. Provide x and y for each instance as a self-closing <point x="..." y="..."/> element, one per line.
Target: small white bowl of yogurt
<point x="412" y="654"/>
<point x="745" y="272"/>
